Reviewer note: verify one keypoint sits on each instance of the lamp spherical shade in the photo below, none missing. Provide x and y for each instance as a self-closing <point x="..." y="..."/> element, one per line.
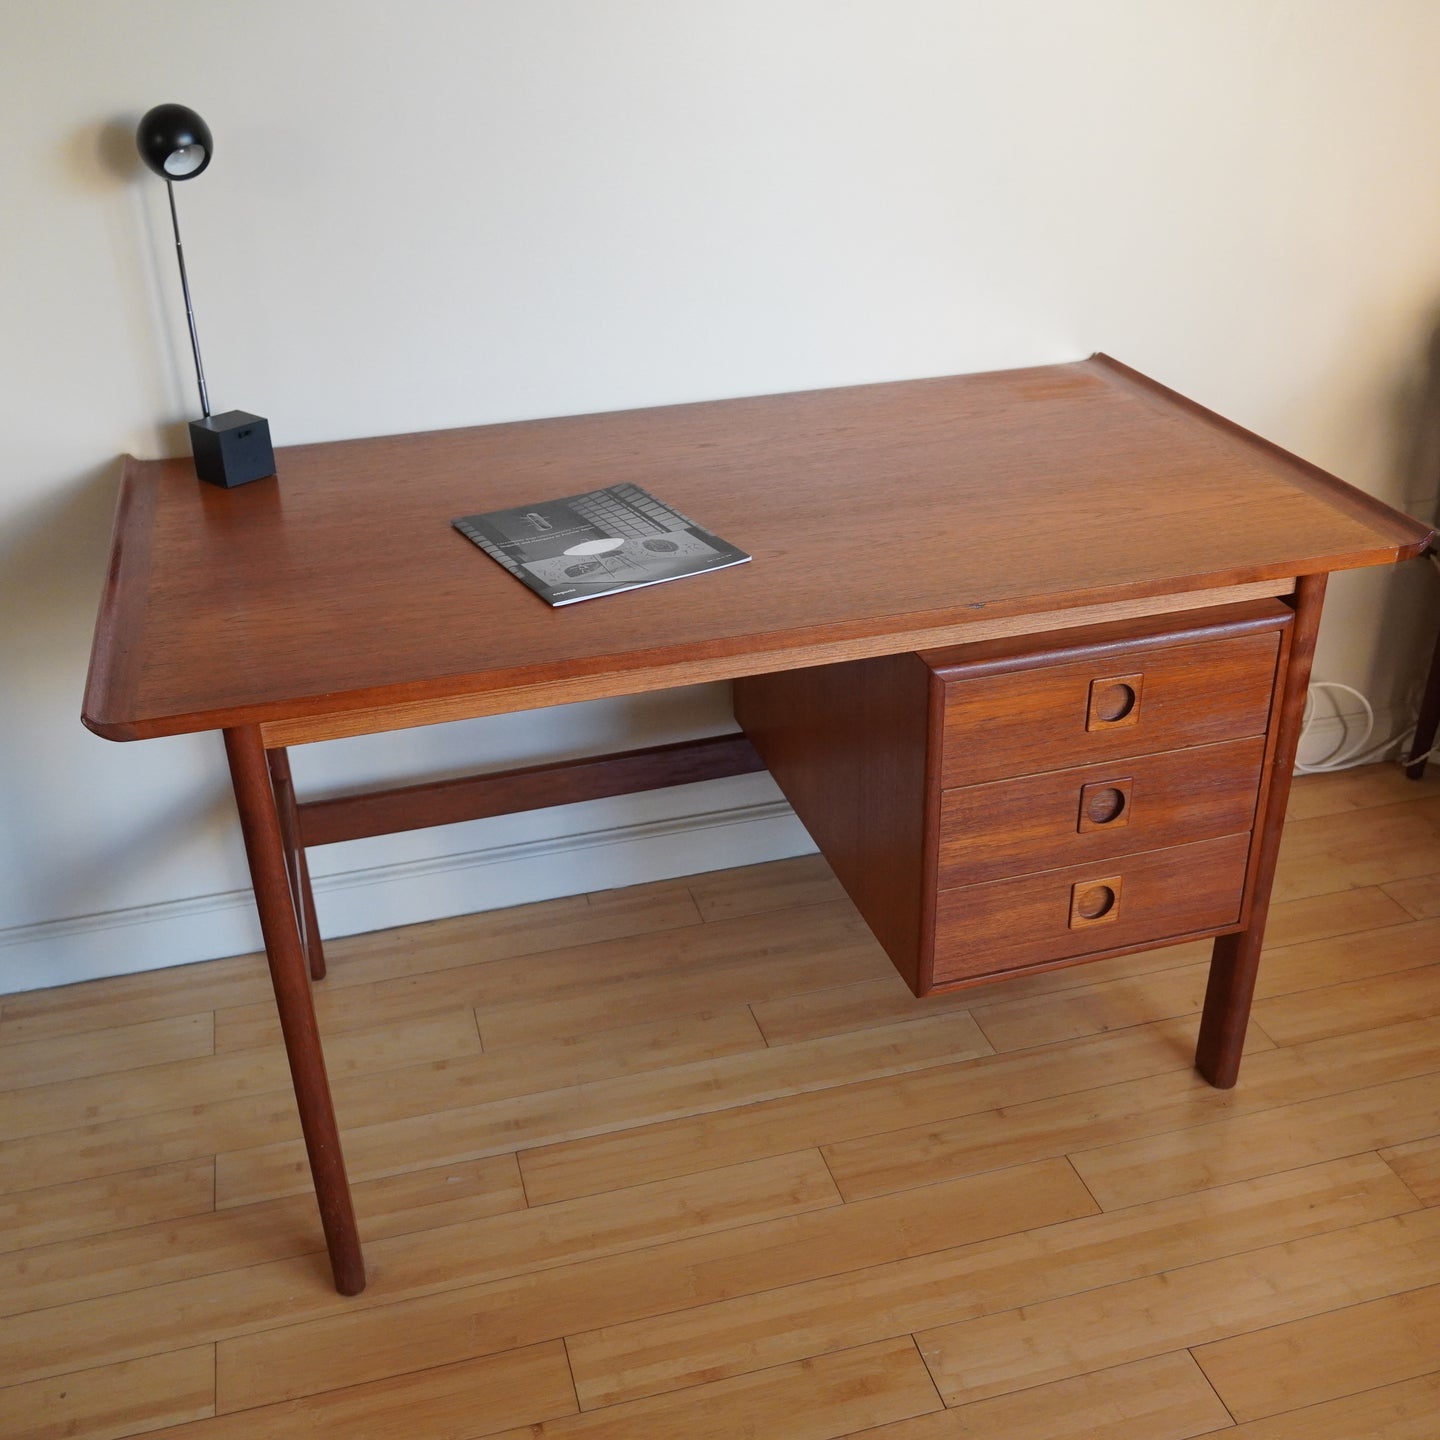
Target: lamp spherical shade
<point x="174" y="142"/>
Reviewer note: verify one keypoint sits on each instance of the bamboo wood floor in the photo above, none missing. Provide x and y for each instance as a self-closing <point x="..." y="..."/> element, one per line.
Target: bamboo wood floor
<point x="688" y="1161"/>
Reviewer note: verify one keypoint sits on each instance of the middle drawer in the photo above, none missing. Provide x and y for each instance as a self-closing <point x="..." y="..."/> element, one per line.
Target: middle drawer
<point x="1096" y="812"/>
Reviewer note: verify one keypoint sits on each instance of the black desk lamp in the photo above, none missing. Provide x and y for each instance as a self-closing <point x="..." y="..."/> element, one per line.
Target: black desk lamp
<point x="234" y="447"/>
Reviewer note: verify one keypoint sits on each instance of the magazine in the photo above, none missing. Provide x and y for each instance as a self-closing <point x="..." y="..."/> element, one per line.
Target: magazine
<point x="620" y="538"/>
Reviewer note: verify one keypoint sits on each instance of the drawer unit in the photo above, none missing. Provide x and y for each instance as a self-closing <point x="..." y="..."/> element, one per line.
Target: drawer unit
<point x="1013" y="805"/>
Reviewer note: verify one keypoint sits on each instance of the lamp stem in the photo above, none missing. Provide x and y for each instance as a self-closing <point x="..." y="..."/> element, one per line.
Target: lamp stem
<point x="189" y="312"/>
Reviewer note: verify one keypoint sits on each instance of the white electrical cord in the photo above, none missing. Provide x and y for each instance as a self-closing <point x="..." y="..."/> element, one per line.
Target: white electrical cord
<point x="1347" y="753"/>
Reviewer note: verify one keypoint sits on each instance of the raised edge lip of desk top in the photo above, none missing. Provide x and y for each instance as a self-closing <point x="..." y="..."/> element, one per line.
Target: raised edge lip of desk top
<point x="871" y="511"/>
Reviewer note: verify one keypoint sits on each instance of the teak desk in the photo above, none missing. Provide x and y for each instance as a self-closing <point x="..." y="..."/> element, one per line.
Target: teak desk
<point x="1028" y="652"/>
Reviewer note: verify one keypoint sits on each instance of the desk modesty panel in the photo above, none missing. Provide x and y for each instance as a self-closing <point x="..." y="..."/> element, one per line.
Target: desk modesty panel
<point x="1028" y="652"/>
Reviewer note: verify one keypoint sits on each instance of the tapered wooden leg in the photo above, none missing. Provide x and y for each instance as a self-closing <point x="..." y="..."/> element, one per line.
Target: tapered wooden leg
<point x="1235" y="960"/>
<point x="260" y="823"/>
<point x="295" y="863"/>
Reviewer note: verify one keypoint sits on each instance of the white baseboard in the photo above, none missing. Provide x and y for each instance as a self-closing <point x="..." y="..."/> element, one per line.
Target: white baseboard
<point x="149" y="937"/>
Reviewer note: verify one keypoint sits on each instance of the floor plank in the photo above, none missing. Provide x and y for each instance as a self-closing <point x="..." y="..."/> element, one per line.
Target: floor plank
<point x="477" y="1397"/>
<point x="1418" y="1165"/>
<point x="1326" y="853"/>
<point x="107" y="1052"/>
<point x="755" y="889"/>
<point x="1405" y="1411"/>
<point x="1167" y="1398"/>
<point x="1363" y="788"/>
<point x="1357" y="1005"/>
<point x="1322" y="1357"/>
<point x="109" y="1401"/>
<point x="96" y="1099"/>
<point x="57" y="1214"/>
<point x="821" y="1399"/>
<point x="1419" y="897"/>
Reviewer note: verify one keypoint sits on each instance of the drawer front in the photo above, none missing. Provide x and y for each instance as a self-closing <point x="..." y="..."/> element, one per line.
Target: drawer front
<point x="1056" y="716"/>
<point x="1159" y="895"/>
<point x="1095" y="812"/>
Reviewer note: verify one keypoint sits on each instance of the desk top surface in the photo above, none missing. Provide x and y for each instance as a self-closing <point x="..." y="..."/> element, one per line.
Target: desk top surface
<point x="870" y="511"/>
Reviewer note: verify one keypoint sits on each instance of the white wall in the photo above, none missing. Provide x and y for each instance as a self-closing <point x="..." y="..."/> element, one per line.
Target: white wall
<point x="458" y="211"/>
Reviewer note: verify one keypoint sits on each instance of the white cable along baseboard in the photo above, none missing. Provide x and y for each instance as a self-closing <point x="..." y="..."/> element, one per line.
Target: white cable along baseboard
<point x="350" y="902"/>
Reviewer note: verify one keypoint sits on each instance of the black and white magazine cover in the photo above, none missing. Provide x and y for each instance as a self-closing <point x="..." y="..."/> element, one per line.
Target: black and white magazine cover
<point x="600" y="543"/>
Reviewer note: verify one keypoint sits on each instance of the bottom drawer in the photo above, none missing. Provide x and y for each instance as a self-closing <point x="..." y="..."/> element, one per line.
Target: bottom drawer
<point x="983" y="930"/>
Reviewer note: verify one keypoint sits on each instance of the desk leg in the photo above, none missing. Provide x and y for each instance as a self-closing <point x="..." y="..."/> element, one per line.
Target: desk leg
<point x="265" y="849"/>
<point x="1235" y="959"/>
<point x="1428" y="721"/>
<point x="284" y="788"/>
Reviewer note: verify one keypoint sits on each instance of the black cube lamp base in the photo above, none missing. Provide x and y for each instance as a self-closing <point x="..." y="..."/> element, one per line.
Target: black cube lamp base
<point x="232" y="449"/>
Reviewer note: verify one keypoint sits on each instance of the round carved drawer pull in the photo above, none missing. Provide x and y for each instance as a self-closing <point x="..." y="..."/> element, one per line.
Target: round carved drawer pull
<point x="1113" y="701"/>
<point x="1091" y="904"/>
<point x="1104" y="805"/>
<point x="1095" y="902"/>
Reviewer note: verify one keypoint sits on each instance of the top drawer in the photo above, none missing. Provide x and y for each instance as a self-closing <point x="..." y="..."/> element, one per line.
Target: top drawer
<point x="1107" y="698"/>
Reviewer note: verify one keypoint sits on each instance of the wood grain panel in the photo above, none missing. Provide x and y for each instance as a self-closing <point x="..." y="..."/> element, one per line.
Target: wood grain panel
<point x="566" y="782"/>
<point x="980" y="465"/>
<point x="1008" y="924"/>
<point x="322" y="722"/>
<point x="850" y="746"/>
<point x="1015" y="827"/>
<point x="1033" y="719"/>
